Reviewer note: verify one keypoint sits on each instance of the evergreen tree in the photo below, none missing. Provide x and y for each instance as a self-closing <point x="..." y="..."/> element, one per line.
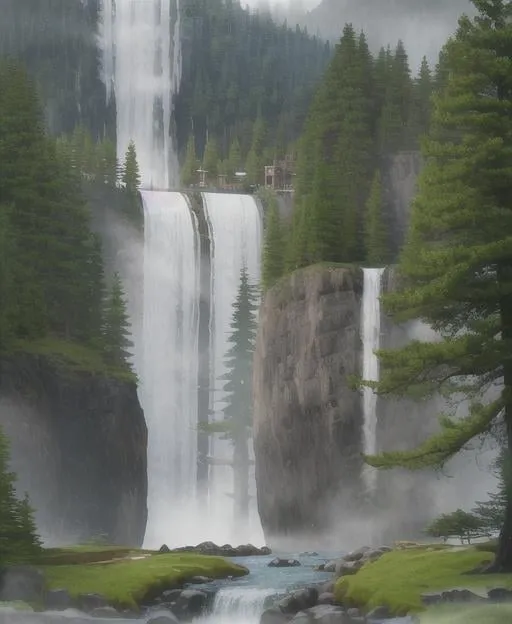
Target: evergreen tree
<point x="456" y="268"/>
<point x="274" y="246"/>
<point x="131" y="173"/>
<point x="491" y="512"/>
<point x="107" y="167"/>
<point x="211" y="159"/>
<point x="255" y="164"/>
<point x="237" y="380"/>
<point x="191" y="165"/>
<point x="7" y="285"/>
<point x="421" y="108"/>
<point x="234" y="158"/>
<point x="377" y="235"/>
<point x="116" y="327"/>
<point x="18" y="539"/>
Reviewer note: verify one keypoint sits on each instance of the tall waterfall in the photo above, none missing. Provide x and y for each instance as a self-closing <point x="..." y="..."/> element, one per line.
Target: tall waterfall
<point x="169" y="367"/>
<point x="370" y="324"/>
<point x="235" y="234"/>
<point x="142" y="66"/>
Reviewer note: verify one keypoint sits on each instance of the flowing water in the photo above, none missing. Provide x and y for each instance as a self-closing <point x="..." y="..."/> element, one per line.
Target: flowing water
<point x="141" y="52"/>
<point x="370" y="326"/>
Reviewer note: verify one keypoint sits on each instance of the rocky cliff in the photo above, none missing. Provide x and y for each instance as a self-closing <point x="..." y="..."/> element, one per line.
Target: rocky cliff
<point x="78" y="446"/>
<point x="307" y="421"/>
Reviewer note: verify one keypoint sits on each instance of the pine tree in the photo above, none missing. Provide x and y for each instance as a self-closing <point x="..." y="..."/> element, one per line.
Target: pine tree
<point x="274" y="246"/>
<point x="211" y="159"/>
<point x="238" y="388"/>
<point x="131" y="173"/>
<point x="7" y="285"/>
<point x="376" y="232"/>
<point x="456" y="268"/>
<point x="18" y="539"/>
<point x="107" y="167"/>
<point x="234" y="158"/>
<point x="491" y="512"/>
<point x="255" y="158"/>
<point x="191" y="165"/>
<point x="116" y="326"/>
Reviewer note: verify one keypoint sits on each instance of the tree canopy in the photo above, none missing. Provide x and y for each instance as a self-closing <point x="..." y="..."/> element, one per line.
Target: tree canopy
<point x="456" y="267"/>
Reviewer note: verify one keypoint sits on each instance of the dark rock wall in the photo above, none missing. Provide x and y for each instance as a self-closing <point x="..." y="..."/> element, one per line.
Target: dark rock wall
<point x="307" y="421"/>
<point x="78" y="445"/>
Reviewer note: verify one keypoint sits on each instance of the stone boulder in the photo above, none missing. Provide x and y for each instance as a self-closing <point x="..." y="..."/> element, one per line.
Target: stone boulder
<point x="21" y="583"/>
<point x="58" y="600"/>
<point x="449" y="596"/>
<point x="299" y="600"/>
<point x="162" y="617"/>
<point x="274" y="616"/>
<point x="191" y="603"/>
<point x="90" y="602"/>
<point x="499" y="594"/>
<point x="323" y="614"/>
<point x="209" y="548"/>
<point x="283" y="563"/>
<point x="105" y="613"/>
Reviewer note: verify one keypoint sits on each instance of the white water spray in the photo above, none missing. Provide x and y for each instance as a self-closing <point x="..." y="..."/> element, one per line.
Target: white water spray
<point x="141" y="53"/>
<point x="243" y="605"/>
<point x="370" y="324"/>
<point x="235" y="234"/>
<point x="170" y="362"/>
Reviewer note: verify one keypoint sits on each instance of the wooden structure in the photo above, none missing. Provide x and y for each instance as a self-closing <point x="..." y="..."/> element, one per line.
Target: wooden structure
<point x="279" y="175"/>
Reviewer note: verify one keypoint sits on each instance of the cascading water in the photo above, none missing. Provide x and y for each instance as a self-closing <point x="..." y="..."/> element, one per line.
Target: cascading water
<point x="370" y="324"/>
<point x="142" y="65"/>
<point x="235" y="234"/>
<point x="243" y="605"/>
<point x="170" y="362"/>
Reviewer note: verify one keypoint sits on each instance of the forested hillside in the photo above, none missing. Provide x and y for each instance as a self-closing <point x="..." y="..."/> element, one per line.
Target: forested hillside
<point x="366" y="109"/>
<point x="52" y="284"/>
<point x="247" y="82"/>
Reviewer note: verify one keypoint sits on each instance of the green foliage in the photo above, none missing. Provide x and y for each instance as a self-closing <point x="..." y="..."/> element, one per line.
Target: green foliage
<point x="459" y="524"/>
<point x="131" y="173"/>
<point x="116" y="328"/>
<point x="456" y="268"/>
<point x="189" y="174"/>
<point x="127" y="583"/>
<point x="398" y="578"/>
<point x="376" y="232"/>
<point x="273" y="247"/>
<point x="492" y="512"/>
<point x="211" y="159"/>
<point x="19" y="542"/>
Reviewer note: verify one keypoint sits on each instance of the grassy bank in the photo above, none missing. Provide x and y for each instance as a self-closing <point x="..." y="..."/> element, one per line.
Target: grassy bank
<point x="398" y="579"/>
<point x="127" y="581"/>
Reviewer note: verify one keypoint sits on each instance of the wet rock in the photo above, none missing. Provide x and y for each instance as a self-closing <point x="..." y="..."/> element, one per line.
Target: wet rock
<point x="89" y="602"/>
<point x="460" y="595"/>
<point x="500" y="594"/>
<point x="170" y="595"/>
<point x="327" y="588"/>
<point x="319" y="568"/>
<point x="226" y="550"/>
<point x="330" y="566"/>
<point x="163" y="617"/>
<point x="328" y="614"/>
<point x="354" y="613"/>
<point x="274" y="616"/>
<point x="284" y="563"/>
<point x="191" y="603"/>
<point x="58" y="600"/>
<point x="299" y="600"/>
<point x="23" y="583"/>
<point x="430" y="599"/>
<point x="356" y="555"/>
<point x="308" y="553"/>
<point x="379" y="613"/>
<point x="326" y="598"/>
<point x="266" y="550"/>
<point x="105" y="612"/>
<point x="348" y="568"/>
<point x="164" y="549"/>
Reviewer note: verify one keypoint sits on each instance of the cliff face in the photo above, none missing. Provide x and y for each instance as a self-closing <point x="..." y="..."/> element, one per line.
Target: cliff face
<point x="78" y="446"/>
<point x="307" y="422"/>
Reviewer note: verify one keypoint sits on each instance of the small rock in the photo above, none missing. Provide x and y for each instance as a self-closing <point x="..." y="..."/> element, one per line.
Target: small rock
<point x="274" y="616"/>
<point x="88" y="602"/>
<point x="163" y="617"/>
<point x="309" y="553"/>
<point x="265" y="550"/>
<point x="379" y="613"/>
<point x="299" y="600"/>
<point x="164" y="549"/>
<point x="330" y="566"/>
<point x="500" y="594"/>
<point x="58" y="600"/>
<point x="354" y="613"/>
<point x="284" y="563"/>
<point x="327" y="598"/>
<point x="328" y="614"/>
<point x="104" y="612"/>
<point x="319" y="568"/>
<point x="460" y="595"/>
<point x="170" y="595"/>
<point x="356" y="555"/>
<point x="348" y="568"/>
<point x="191" y="603"/>
<point x="431" y="599"/>
<point x="327" y="588"/>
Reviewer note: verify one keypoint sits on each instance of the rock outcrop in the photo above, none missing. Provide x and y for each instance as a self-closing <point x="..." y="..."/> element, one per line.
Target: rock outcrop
<point x="307" y="419"/>
<point x="78" y="445"/>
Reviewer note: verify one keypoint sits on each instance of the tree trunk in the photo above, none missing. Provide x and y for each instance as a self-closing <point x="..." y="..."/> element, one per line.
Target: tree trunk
<point x="503" y="559"/>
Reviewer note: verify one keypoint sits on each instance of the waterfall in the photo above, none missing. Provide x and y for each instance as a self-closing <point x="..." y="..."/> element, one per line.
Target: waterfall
<point x="141" y="64"/>
<point x="169" y="368"/>
<point x="235" y="234"/>
<point x="240" y="605"/>
<point x="370" y="325"/>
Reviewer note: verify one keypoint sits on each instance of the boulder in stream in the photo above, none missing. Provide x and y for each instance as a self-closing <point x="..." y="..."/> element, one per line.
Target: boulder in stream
<point x="284" y="563"/>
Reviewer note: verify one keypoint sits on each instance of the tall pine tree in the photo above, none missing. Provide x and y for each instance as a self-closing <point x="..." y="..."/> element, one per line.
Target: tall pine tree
<point x="116" y="329"/>
<point x="273" y="247"/>
<point x="456" y="268"/>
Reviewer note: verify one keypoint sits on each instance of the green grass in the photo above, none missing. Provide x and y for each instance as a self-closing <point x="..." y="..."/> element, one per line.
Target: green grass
<point x="77" y="555"/>
<point x="74" y="357"/>
<point x="127" y="583"/>
<point x="398" y="579"/>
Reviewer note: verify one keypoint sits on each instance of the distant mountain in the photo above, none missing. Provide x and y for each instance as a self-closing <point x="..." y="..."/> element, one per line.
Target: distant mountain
<point x="423" y="25"/>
